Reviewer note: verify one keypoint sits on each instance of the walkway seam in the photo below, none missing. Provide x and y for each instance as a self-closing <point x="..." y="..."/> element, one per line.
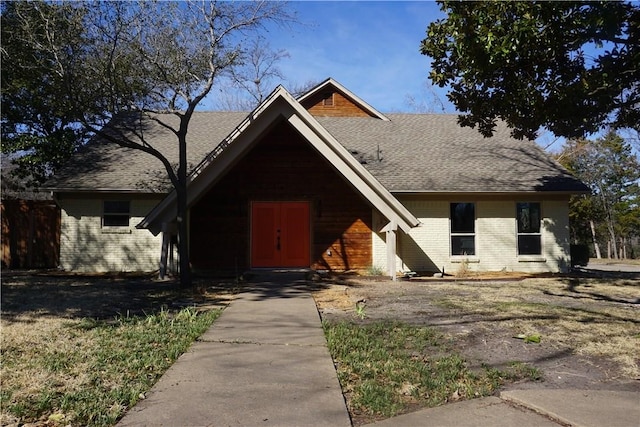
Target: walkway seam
<point x="260" y="343"/>
<point x="526" y="406"/>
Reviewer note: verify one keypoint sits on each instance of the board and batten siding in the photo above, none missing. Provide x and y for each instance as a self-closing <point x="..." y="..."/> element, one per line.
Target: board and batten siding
<point x="333" y="104"/>
<point x="427" y="248"/>
<point x="281" y="167"/>
<point x="85" y="246"/>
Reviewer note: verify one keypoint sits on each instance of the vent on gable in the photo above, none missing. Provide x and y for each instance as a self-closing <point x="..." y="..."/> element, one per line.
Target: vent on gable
<point x="327" y="99"/>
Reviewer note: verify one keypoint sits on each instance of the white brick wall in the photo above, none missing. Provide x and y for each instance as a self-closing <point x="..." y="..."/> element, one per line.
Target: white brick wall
<point x="427" y="247"/>
<point x="85" y="246"/>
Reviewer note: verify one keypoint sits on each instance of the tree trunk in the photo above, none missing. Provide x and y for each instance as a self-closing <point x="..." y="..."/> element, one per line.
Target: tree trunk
<point x="183" y="239"/>
<point x="596" y="247"/>
<point x="181" y="198"/>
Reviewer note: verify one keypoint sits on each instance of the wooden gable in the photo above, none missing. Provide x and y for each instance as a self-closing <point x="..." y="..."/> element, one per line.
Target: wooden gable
<point x="333" y="104"/>
<point x="331" y="99"/>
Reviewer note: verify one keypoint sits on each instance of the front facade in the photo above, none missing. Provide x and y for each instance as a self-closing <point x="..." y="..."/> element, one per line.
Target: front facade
<point x="323" y="182"/>
<point x="495" y="239"/>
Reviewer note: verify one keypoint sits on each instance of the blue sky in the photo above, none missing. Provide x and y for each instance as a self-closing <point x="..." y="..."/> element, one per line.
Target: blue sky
<point x="372" y="48"/>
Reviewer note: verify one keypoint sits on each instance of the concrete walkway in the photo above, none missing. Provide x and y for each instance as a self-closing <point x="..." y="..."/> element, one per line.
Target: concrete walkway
<point x="531" y="408"/>
<point x="264" y="362"/>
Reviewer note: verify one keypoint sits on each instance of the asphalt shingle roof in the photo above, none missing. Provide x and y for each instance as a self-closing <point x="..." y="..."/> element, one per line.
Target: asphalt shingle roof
<point x="106" y="166"/>
<point x="432" y="153"/>
<point x="408" y="153"/>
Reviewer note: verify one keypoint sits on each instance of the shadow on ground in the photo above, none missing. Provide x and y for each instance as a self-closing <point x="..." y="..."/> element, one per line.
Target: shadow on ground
<point x="102" y="297"/>
<point x="107" y="296"/>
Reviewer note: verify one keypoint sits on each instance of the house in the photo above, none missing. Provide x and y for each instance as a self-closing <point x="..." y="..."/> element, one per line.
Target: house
<point x="324" y="181"/>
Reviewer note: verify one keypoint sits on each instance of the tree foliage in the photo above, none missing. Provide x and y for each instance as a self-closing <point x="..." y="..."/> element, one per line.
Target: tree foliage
<point x="608" y="166"/>
<point x="149" y="60"/>
<point x="37" y="120"/>
<point x="571" y="67"/>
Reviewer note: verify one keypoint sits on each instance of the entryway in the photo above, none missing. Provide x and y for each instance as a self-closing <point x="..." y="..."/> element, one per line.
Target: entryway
<point x="280" y="234"/>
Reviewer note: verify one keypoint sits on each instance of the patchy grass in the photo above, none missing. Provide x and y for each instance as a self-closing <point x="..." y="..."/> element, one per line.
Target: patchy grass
<point x="89" y="372"/>
<point x="387" y="367"/>
<point x="81" y="350"/>
<point x="594" y="317"/>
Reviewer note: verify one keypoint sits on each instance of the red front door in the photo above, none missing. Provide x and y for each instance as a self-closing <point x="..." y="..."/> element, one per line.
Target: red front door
<point x="280" y="234"/>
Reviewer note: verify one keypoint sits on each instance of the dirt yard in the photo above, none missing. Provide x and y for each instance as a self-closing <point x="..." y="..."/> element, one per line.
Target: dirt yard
<point x="588" y="327"/>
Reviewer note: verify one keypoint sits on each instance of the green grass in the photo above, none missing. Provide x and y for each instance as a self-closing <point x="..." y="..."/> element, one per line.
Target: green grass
<point x="385" y="367"/>
<point x="100" y="369"/>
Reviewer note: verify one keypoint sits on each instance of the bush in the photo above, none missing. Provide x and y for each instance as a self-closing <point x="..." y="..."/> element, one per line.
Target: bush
<point x="579" y="255"/>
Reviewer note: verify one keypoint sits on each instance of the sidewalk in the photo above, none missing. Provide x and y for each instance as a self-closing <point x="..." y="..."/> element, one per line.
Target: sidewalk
<point x="264" y="362"/>
<point x="531" y="408"/>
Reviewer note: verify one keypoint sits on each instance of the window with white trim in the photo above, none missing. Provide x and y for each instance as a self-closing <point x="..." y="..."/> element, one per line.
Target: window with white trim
<point x="528" y="217"/>
<point x="116" y="213"/>
<point x="463" y="228"/>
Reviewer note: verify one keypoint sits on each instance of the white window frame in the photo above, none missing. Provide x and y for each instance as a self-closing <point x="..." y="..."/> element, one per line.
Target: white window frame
<point x="520" y="233"/>
<point x="453" y="234"/>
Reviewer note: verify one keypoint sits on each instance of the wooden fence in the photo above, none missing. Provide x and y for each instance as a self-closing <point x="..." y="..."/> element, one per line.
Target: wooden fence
<point x="30" y="234"/>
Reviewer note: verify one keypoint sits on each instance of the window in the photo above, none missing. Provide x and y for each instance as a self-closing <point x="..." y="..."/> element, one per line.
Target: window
<point x="463" y="228"/>
<point x="327" y="99"/>
<point x="529" y="237"/>
<point x="116" y="213"/>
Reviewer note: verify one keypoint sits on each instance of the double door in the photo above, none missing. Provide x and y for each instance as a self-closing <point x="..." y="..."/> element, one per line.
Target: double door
<point x="280" y="234"/>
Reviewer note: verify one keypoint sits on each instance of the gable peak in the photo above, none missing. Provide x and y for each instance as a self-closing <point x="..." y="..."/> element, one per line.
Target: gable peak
<point x="332" y="99"/>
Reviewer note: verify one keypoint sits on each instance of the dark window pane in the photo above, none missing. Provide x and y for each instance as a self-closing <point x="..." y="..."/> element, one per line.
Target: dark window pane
<point x="116" y="213"/>
<point x="529" y="244"/>
<point x="116" y="207"/>
<point x="463" y="245"/>
<point x="463" y="216"/>
<point x="115" y="221"/>
<point x="528" y="217"/>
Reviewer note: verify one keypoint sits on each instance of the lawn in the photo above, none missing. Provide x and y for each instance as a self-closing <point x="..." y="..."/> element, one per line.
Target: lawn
<point x="388" y="367"/>
<point x="83" y="350"/>
<point x="77" y="359"/>
<point x="483" y="335"/>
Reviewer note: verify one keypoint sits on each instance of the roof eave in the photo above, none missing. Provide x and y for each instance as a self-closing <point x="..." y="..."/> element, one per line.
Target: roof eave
<point x="491" y="193"/>
<point x="100" y="190"/>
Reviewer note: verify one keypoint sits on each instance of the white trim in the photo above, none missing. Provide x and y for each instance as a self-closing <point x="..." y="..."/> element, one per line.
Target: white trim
<point x="281" y="104"/>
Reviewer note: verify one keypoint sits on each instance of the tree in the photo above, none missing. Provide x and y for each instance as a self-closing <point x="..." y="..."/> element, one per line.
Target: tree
<point x="249" y="84"/>
<point x="608" y="166"/>
<point x="571" y="67"/>
<point x="37" y="122"/>
<point x="427" y="101"/>
<point x="157" y="61"/>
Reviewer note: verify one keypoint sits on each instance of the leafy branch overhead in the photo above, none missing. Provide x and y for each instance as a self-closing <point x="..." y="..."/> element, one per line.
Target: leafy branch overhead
<point x="69" y="67"/>
<point x="112" y="66"/>
<point x="570" y="67"/>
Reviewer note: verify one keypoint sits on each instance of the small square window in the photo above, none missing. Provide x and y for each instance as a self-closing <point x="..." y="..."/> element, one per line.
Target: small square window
<point x="116" y="213"/>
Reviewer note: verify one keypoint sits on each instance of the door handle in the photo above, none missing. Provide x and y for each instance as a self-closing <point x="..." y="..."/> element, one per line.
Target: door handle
<point x="278" y="241"/>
